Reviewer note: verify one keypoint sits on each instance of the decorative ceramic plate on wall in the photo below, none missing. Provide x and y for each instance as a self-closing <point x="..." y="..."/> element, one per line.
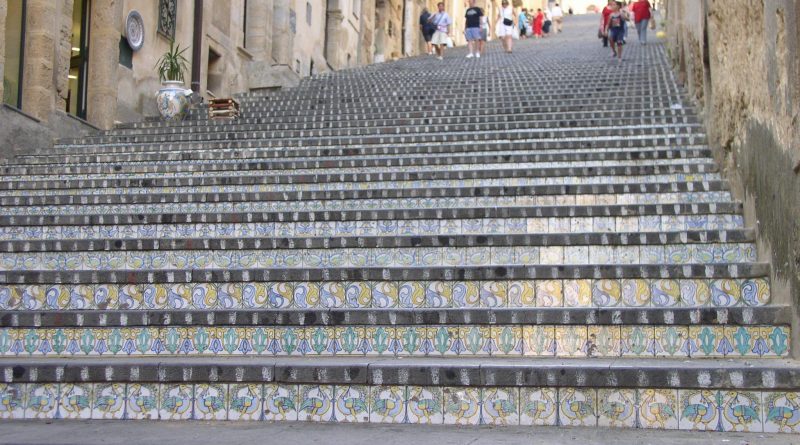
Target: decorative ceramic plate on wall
<point x="134" y="30"/>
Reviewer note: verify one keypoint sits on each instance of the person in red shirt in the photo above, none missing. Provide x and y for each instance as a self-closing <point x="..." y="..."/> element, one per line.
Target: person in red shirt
<point x="604" y="22"/>
<point x="642" y="15"/>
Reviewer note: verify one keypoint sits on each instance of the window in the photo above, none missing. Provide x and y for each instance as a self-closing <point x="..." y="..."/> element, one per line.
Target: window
<point x="308" y="13"/>
<point x="15" y="42"/>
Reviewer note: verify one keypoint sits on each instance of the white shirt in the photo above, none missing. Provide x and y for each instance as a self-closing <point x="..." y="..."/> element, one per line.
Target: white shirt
<point x="507" y="13"/>
<point x="557" y="12"/>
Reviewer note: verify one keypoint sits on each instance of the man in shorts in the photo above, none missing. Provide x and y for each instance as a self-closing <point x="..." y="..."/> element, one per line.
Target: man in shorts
<point x="472" y="30"/>
<point x="442" y="22"/>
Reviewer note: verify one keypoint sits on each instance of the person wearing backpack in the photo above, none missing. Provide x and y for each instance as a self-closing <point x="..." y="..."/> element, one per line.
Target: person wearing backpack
<point x="427" y="28"/>
<point x="442" y="23"/>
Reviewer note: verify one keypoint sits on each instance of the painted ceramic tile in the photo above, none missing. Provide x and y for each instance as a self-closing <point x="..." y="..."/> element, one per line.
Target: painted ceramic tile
<point x="75" y="401"/>
<point x="210" y="401"/>
<point x="551" y="255"/>
<point x="576" y="255"/>
<point x="494" y="294"/>
<point x="462" y="405"/>
<point x="708" y="341"/>
<point x="141" y="401"/>
<point x="281" y="402"/>
<point x="425" y="405"/>
<point x="695" y="293"/>
<point x="636" y="293"/>
<point x="606" y="293"/>
<point x="755" y="292"/>
<point x="500" y="406"/>
<point x="665" y="293"/>
<point x="245" y="401"/>
<point x="411" y="294"/>
<point x="538" y="406"/>
<point x="521" y="294"/>
<point x="571" y="341"/>
<point x="616" y="408"/>
<point x="321" y="340"/>
<point x="637" y="341"/>
<point x="725" y="292"/>
<point x="549" y="293"/>
<point x="387" y="404"/>
<point x="351" y="404"/>
<point x="741" y="411"/>
<point x="658" y="408"/>
<point x="12" y="401"/>
<point x="603" y="341"/>
<point x="781" y="412"/>
<point x="315" y="403"/>
<point x="577" y="407"/>
<point x="506" y="340"/>
<point x="577" y="293"/>
<point x="699" y="410"/>
<point x="385" y="295"/>
<point x="176" y="402"/>
<point x="41" y="401"/>
<point x="306" y="295"/>
<point x="440" y="341"/>
<point x="108" y="401"/>
<point x="538" y="340"/>
<point x="671" y="341"/>
<point x="439" y="294"/>
<point x="466" y="294"/>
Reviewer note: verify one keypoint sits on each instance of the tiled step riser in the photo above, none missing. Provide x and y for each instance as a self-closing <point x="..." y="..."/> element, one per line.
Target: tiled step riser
<point x="542" y="293"/>
<point x="365" y="199"/>
<point x="206" y="133"/>
<point x="671" y="254"/>
<point x="376" y="228"/>
<point x="381" y="126"/>
<point x="488" y="175"/>
<point x="290" y="162"/>
<point x="574" y="341"/>
<point x="247" y="153"/>
<point x="500" y="406"/>
<point x="468" y="116"/>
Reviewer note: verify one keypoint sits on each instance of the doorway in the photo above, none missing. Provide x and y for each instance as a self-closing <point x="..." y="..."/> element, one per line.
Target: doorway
<point x="15" y="42"/>
<point x="79" y="59"/>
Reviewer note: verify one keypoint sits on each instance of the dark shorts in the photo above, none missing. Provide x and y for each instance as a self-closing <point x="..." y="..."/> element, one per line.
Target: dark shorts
<point x="617" y="34"/>
<point x="427" y="36"/>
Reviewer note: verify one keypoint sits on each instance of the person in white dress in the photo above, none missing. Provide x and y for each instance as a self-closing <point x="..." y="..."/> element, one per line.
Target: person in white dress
<point x="506" y="22"/>
<point x="558" y="18"/>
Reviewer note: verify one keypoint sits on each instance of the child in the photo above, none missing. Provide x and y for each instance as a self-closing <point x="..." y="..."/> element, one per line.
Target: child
<point x="615" y="29"/>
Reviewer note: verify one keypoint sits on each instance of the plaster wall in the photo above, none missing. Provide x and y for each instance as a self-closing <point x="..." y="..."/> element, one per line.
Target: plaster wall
<point x="748" y="86"/>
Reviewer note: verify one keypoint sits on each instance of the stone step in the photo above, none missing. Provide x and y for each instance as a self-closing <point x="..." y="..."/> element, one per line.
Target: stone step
<point x="445" y="117"/>
<point x="211" y="133"/>
<point x="432" y="227"/>
<point x="250" y="151"/>
<point x="658" y="251"/>
<point x="260" y="159"/>
<point x="696" y="215"/>
<point x="268" y="139"/>
<point x="557" y="392"/>
<point x="606" y="294"/>
<point x="305" y="210"/>
<point x="643" y="116"/>
<point x="685" y="270"/>
<point x="379" y="182"/>
<point x="241" y="176"/>
<point x="694" y="340"/>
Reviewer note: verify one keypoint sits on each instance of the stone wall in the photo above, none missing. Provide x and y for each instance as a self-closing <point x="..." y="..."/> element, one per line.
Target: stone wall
<point x="739" y="62"/>
<point x="3" y="12"/>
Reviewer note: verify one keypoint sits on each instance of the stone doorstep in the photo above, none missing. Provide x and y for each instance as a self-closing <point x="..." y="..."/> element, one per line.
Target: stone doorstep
<point x="261" y="158"/>
<point x="371" y="215"/>
<point x="640" y="133"/>
<point x="772" y="315"/>
<point x="777" y="374"/>
<point x="384" y="191"/>
<point x="495" y="272"/>
<point x="234" y="151"/>
<point x="244" y="177"/>
<point x="388" y="241"/>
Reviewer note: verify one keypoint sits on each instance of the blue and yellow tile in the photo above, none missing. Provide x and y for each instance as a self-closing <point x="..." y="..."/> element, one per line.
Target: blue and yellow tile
<point x="500" y="406"/>
<point x="617" y="408"/>
<point x="577" y="407"/>
<point x="658" y="408"/>
<point x="281" y="402"/>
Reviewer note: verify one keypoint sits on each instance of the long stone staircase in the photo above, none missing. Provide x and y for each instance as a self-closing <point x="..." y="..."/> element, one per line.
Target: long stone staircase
<point x="536" y="238"/>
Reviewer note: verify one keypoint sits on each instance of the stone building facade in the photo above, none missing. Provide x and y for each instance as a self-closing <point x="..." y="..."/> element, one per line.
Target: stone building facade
<point x="740" y="61"/>
<point x="68" y="62"/>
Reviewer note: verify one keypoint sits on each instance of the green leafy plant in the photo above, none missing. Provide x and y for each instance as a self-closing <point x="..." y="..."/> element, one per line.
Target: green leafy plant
<point x="172" y="64"/>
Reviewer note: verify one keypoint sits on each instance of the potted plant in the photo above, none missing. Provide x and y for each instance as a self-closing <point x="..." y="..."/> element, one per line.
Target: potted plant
<point x="172" y="99"/>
